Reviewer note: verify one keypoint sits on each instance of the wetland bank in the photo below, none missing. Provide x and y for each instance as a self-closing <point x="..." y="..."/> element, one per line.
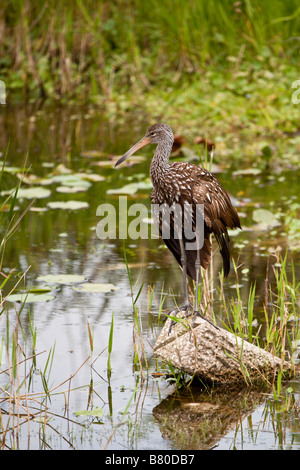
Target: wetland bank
<point x="71" y="377"/>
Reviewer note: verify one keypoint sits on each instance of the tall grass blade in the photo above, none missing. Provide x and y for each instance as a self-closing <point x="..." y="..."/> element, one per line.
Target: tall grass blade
<point x="110" y="346"/>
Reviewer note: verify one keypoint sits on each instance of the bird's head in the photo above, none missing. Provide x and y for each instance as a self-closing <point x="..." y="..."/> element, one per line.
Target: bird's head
<point x="159" y="133"/>
<point x="156" y="134"/>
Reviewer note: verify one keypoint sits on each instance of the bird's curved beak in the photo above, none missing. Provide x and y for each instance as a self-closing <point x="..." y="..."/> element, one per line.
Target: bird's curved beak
<point x="144" y="141"/>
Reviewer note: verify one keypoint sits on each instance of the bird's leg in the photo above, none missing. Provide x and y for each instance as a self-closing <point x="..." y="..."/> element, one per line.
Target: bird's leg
<point x="196" y="307"/>
<point x="186" y="305"/>
<point x="197" y="268"/>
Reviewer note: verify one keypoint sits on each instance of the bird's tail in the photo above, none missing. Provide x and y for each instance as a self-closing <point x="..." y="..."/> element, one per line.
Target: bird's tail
<point x="222" y="237"/>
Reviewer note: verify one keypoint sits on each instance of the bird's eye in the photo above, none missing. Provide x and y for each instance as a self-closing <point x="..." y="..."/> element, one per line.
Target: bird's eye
<point x="152" y="133"/>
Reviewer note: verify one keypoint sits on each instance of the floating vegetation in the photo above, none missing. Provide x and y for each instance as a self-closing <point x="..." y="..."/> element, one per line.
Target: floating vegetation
<point x="95" y="287"/>
<point x="29" y="298"/>
<point x="62" y="278"/>
<point x="77" y="179"/>
<point x="68" y="205"/>
<point x="247" y="172"/>
<point x="230" y="81"/>
<point x="11" y="169"/>
<point x="71" y="189"/>
<point x="265" y="219"/>
<point x="132" y="188"/>
<point x="95" y="412"/>
<point x="36" y="192"/>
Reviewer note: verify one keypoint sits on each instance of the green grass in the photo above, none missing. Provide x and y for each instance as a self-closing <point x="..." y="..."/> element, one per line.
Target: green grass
<point x="281" y="313"/>
<point x="207" y="68"/>
<point x="19" y="403"/>
<point x="110" y="345"/>
<point x="214" y="69"/>
<point x="98" y="48"/>
<point x="24" y="405"/>
<point x="139" y="356"/>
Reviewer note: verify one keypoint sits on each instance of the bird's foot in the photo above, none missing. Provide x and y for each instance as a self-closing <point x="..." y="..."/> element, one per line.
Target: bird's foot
<point x="174" y="312"/>
<point x="198" y="314"/>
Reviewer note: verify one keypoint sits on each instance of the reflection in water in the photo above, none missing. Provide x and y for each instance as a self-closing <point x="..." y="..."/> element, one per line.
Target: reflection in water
<point x="54" y="241"/>
<point x="199" y="419"/>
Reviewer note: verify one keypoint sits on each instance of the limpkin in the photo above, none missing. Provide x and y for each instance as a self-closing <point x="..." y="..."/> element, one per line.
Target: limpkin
<point x="183" y="183"/>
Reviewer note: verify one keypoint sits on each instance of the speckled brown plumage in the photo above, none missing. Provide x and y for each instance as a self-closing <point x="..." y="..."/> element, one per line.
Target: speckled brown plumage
<point x="184" y="183"/>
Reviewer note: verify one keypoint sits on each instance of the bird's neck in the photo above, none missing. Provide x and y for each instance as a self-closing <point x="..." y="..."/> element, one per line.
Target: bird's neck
<point x="160" y="162"/>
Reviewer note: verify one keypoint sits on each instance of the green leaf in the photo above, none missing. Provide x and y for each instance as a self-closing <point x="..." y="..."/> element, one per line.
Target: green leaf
<point x="95" y="287"/>
<point x="71" y="189"/>
<point x="266" y="152"/>
<point x="68" y="205"/>
<point x="12" y="169"/>
<point x="95" y="412"/>
<point x="182" y="321"/>
<point x="39" y="289"/>
<point x="36" y="192"/>
<point x="132" y="188"/>
<point x="265" y="219"/>
<point x="42" y="419"/>
<point x="71" y="180"/>
<point x="30" y="298"/>
<point x="61" y="278"/>
<point x="247" y="172"/>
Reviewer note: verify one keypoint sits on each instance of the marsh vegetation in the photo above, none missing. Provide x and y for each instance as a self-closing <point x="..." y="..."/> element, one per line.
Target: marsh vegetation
<point x="79" y="316"/>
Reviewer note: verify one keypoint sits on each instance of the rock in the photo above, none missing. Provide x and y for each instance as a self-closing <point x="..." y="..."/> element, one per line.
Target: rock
<point x="215" y="355"/>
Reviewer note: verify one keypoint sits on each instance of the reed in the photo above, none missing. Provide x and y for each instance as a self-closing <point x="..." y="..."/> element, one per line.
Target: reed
<point x="98" y="48"/>
<point x="281" y="314"/>
<point x="19" y="406"/>
<point x="281" y="335"/>
<point x="110" y="345"/>
<point x="277" y="331"/>
<point x="139" y="355"/>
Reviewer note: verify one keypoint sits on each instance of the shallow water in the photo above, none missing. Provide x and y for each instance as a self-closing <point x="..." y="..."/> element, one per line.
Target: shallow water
<point x="57" y="241"/>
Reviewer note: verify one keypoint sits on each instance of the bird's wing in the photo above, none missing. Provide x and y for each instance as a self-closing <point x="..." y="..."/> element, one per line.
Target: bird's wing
<point x="172" y="241"/>
<point x="219" y="212"/>
<point x="197" y="186"/>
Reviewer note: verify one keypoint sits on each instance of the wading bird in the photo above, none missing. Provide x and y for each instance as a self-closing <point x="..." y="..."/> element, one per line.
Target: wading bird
<point x="188" y="185"/>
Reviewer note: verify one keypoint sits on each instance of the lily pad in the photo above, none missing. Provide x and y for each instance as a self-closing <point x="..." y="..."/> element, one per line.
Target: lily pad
<point x="68" y="205"/>
<point x="94" y="177"/>
<point x="34" y="179"/>
<point x="93" y="154"/>
<point x="62" y="278"/>
<point x="30" y="298"/>
<point x="233" y="233"/>
<point x="61" y="169"/>
<point x="36" y="192"/>
<point x="95" y="287"/>
<point x="12" y="169"/>
<point x="40" y="289"/>
<point x="42" y="419"/>
<point x="247" y="172"/>
<point x="245" y="271"/>
<point x="67" y="179"/>
<point x="71" y="189"/>
<point x="265" y="219"/>
<point x="132" y="188"/>
<point x="95" y="412"/>
<point x="38" y="209"/>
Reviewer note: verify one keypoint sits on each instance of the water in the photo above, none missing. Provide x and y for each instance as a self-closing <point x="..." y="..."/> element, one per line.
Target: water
<point x="57" y="241"/>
